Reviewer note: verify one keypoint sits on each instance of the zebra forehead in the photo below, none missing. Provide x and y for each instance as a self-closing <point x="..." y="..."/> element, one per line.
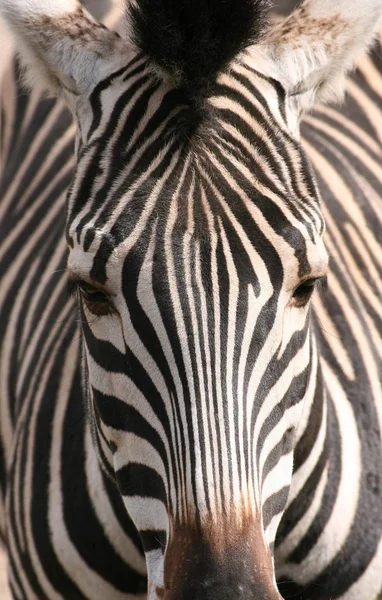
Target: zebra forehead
<point x="221" y="244"/>
<point x="196" y="190"/>
<point x="161" y="153"/>
<point x="238" y="169"/>
<point x="256" y="229"/>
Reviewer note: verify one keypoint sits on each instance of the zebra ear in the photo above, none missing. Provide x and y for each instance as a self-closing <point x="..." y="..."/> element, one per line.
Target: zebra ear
<point x="312" y="50"/>
<point x="63" y="47"/>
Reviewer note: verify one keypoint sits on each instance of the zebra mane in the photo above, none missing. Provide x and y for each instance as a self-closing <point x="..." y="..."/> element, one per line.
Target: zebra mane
<point x="193" y="40"/>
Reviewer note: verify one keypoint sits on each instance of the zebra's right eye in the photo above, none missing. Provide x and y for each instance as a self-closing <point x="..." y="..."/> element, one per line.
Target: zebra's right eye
<point x="95" y="299"/>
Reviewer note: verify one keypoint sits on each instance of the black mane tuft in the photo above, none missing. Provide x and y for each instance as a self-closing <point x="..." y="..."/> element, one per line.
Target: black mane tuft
<point x="194" y="39"/>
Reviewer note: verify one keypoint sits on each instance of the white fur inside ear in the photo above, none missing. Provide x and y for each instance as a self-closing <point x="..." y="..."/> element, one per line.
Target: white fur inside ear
<point x="349" y="9"/>
<point x="312" y="50"/>
<point x="27" y="8"/>
<point x="64" y="49"/>
<point x="7" y="47"/>
<point x="308" y="73"/>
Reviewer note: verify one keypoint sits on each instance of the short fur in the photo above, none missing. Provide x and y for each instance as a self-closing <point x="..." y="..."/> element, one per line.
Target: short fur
<point x="194" y="39"/>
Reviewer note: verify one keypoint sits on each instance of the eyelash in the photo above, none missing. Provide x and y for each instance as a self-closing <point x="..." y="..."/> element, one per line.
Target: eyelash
<point x="304" y="291"/>
<point x="72" y="287"/>
<point x="97" y="301"/>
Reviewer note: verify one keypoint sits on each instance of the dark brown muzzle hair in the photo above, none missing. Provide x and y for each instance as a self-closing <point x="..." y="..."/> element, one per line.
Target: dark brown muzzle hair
<point x="218" y="561"/>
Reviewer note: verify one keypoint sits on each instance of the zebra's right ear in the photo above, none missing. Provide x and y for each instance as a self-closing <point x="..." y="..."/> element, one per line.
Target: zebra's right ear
<point x="63" y="47"/>
<point x="310" y="52"/>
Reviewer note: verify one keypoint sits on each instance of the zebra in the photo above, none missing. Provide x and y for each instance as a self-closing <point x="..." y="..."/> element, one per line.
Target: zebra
<point x="200" y="418"/>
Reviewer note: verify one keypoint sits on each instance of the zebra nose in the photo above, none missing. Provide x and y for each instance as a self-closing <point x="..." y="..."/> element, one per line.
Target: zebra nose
<point x="220" y="561"/>
<point x="241" y="591"/>
<point x="222" y="578"/>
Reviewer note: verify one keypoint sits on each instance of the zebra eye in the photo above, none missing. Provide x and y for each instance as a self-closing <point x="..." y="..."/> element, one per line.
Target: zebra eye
<point x="97" y="301"/>
<point x="303" y="292"/>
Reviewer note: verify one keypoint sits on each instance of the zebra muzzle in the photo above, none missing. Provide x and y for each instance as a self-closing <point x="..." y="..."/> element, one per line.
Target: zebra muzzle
<point x="218" y="561"/>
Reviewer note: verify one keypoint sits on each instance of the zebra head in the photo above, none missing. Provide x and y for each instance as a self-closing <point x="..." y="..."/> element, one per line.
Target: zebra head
<point x="195" y="243"/>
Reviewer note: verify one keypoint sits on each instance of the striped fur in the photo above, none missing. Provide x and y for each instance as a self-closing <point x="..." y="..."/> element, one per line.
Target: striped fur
<point x="340" y="482"/>
<point x="194" y="401"/>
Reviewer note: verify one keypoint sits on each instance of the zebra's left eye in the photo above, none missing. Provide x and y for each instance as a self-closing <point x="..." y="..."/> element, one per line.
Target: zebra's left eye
<point x="97" y="301"/>
<point x="304" y="291"/>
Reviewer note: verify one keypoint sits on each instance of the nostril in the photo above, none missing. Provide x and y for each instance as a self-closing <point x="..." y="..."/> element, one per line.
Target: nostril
<point x="218" y="592"/>
<point x="225" y="561"/>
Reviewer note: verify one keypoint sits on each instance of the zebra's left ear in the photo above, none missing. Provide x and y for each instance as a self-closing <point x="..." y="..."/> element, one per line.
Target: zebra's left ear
<point x="311" y="51"/>
<point x="63" y="47"/>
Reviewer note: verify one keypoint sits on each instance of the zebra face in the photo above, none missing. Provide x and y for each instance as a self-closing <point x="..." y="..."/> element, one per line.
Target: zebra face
<point x="195" y="261"/>
<point x="195" y="243"/>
